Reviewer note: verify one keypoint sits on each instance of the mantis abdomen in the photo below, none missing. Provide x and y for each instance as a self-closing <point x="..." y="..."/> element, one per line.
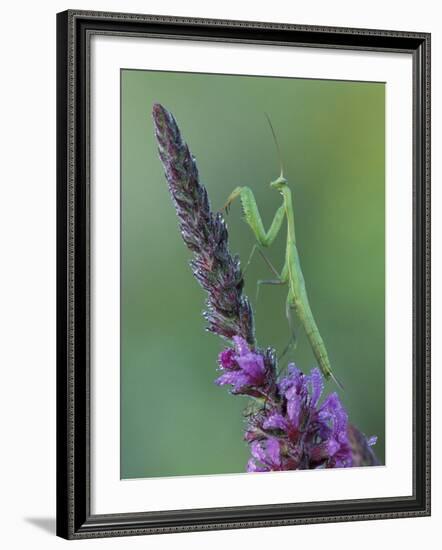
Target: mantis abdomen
<point x="298" y="300"/>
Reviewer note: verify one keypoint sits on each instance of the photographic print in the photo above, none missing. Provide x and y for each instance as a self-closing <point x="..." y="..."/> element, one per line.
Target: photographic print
<point x="243" y="273"/>
<point x="252" y="274"/>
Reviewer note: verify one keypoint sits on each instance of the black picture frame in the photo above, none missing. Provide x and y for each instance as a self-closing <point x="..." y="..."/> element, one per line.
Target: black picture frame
<point x="74" y="518"/>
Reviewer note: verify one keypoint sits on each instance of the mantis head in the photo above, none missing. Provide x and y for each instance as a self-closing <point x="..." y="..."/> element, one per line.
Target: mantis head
<point x="279" y="183"/>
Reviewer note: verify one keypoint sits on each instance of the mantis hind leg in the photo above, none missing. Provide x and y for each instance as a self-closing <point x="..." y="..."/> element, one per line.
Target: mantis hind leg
<point x="266" y="282"/>
<point x="278" y="279"/>
<point x="255" y="248"/>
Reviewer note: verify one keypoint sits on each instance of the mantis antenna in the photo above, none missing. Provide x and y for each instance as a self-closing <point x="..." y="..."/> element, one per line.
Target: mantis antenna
<point x="278" y="149"/>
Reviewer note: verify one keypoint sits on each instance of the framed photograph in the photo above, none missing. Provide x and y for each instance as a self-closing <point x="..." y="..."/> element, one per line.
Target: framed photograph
<point x="243" y="274"/>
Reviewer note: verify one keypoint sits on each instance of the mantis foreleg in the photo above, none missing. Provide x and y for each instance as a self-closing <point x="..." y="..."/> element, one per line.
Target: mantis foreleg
<point x="253" y="217"/>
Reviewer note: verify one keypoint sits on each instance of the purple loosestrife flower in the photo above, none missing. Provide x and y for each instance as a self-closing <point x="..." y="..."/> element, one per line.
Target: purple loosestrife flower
<point x="297" y="432"/>
<point x="247" y="371"/>
<point x="228" y="311"/>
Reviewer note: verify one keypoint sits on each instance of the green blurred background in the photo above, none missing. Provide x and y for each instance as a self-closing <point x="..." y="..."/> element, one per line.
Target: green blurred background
<point x="174" y="420"/>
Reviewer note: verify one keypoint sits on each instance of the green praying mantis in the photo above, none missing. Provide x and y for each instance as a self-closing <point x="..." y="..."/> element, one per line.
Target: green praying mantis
<point x="291" y="274"/>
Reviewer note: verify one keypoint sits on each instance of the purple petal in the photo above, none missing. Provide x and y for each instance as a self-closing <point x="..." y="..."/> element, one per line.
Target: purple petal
<point x="227" y="378"/>
<point x="241" y="345"/>
<point x="273" y="451"/>
<point x="317" y="386"/>
<point x="332" y="447"/>
<point x="342" y="437"/>
<point x="332" y="409"/>
<point x="242" y="380"/>
<point x="253" y="365"/>
<point x="293" y="374"/>
<point x="330" y="403"/>
<point x="275" y="421"/>
<point x="258" y="452"/>
<point x="297" y="377"/>
<point x="372" y="440"/>
<point x="293" y="371"/>
<point x="294" y="407"/>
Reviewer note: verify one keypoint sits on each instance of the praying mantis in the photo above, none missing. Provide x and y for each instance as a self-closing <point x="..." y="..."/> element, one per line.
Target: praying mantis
<point x="291" y="274"/>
